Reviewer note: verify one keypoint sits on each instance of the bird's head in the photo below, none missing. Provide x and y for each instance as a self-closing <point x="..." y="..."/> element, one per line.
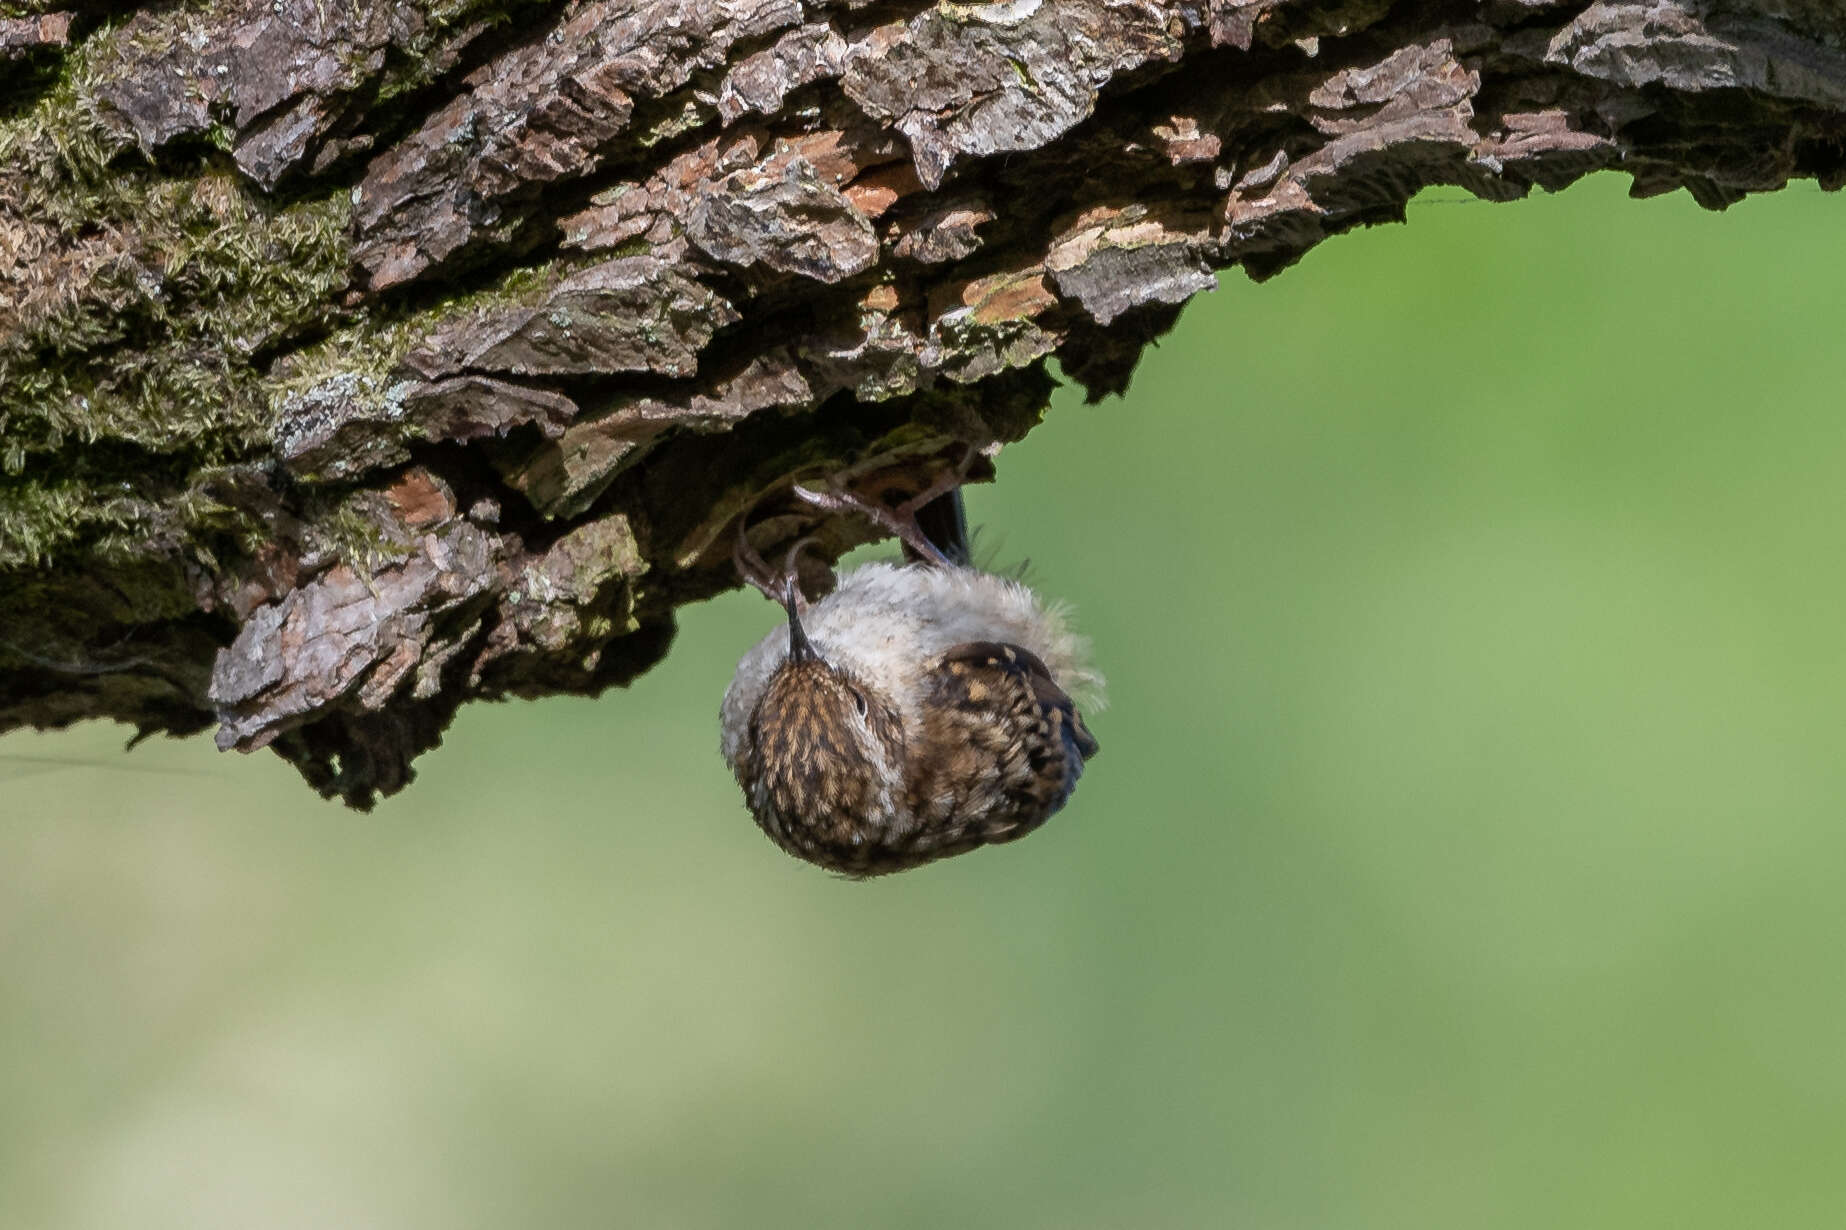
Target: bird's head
<point x="826" y="765"/>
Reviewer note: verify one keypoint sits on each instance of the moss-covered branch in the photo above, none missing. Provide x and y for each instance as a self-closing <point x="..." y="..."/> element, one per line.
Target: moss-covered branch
<point x="359" y="360"/>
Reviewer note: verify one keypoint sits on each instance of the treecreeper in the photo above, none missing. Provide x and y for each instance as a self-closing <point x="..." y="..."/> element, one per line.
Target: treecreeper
<point x="917" y="711"/>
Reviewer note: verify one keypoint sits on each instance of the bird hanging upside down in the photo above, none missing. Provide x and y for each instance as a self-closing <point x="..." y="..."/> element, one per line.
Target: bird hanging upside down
<point x="917" y="711"/>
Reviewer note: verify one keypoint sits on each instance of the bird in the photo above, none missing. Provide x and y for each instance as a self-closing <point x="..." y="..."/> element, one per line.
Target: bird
<point x="920" y="710"/>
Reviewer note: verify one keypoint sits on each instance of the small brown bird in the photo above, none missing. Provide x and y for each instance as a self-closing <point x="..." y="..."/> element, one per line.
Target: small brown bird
<point x="916" y="712"/>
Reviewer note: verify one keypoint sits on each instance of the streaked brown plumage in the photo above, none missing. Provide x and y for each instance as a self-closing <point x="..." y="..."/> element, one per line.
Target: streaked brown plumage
<point x="914" y="713"/>
<point x="1001" y="742"/>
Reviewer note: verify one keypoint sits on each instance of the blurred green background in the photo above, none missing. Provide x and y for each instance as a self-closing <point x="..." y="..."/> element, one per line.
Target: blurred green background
<point x="1465" y="849"/>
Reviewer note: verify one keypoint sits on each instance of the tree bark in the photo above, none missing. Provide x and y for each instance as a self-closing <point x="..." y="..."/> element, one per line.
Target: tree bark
<point x="357" y="360"/>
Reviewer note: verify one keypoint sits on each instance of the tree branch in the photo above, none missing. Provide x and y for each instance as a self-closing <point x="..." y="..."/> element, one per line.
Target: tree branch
<point x="360" y="360"/>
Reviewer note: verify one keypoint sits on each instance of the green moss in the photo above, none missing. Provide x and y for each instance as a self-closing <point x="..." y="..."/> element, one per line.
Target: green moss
<point x="415" y="65"/>
<point x="153" y="297"/>
<point x="638" y="245"/>
<point x="356" y="530"/>
<point x="142" y="320"/>
<point x="676" y="116"/>
<point x="522" y="287"/>
<point x="152" y="341"/>
<point x="39" y="518"/>
<point x="363" y="359"/>
<point x="1024" y="75"/>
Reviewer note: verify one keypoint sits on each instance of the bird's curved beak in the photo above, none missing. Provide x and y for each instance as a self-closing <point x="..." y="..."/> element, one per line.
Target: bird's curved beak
<point x="800" y="649"/>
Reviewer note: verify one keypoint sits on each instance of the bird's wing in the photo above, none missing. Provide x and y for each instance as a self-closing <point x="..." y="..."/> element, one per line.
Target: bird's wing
<point x="1002" y="746"/>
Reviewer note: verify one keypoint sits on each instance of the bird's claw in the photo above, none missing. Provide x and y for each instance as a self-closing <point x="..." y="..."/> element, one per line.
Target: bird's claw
<point x="752" y="567"/>
<point x="901" y="520"/>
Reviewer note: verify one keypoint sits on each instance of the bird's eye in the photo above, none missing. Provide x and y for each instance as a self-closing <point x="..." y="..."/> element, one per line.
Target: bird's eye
<point x="858" y="698"/>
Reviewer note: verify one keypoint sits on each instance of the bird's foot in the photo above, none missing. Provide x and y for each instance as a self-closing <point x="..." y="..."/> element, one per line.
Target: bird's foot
<point x="752" y="567"/>
<point x="899" y="520"/>
<point x="783" y="586"/>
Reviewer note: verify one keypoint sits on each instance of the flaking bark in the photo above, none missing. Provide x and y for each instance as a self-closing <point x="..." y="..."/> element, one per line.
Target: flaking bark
<point x="358" y="360"/>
